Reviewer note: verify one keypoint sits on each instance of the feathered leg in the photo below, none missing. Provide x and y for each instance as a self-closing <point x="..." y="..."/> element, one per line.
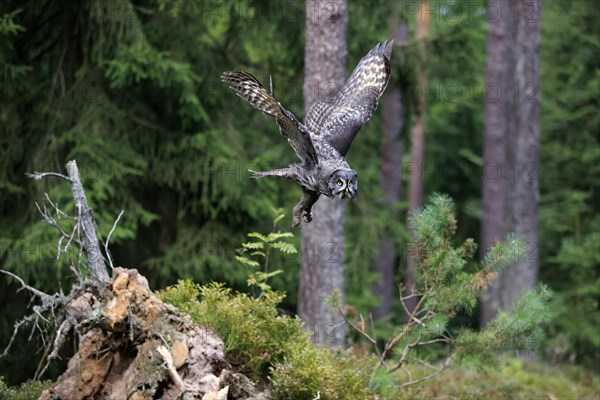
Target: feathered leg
<point x="304" y="207"/>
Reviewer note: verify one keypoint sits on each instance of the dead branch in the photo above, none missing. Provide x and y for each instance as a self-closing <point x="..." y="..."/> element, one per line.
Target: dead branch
<point x="359" y="330"/>
<point x="168" y="360"/>
<point x="392" y="343"/>
<point x="47" y="215"/>
<point x="39" y="175"/>
<point x="49" y="304"/>
<point x="96" y="265"/>
<point x="46" y="298"/>
<point x="424" y="378"/>
<point x="55" y="314"/>
<point x="106" y="251"/>
<point x="411" y="346"/>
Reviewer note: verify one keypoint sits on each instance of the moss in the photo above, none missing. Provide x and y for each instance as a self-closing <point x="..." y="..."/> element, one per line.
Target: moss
<point x="308" y="370"/>
<point x="29" y="390"/>
<point x="274" y="347"/>
<point x="510" y="379"/>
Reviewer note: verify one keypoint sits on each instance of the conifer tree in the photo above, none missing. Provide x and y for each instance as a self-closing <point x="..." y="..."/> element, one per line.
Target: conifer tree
<point x="323" y="239"/>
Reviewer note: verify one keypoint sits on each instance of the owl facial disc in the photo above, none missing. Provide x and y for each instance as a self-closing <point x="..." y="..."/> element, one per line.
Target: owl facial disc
<point x="343" y="184"/>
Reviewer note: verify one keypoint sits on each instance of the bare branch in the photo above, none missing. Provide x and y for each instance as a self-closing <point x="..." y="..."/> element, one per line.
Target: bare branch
<point x="391" y="344"/>
<point x="43" y="296"/>
<point x="16" y="329"/>
<point x="411" y="346"/>
<point x="108" y="239"/>
<point x="58" y="211"/>
<point x="374" y="335"/>
<point x="424" y="363"/>
<point x="407" y="373"/>
<point x="361" y="331"/>
<point x="39" y="175"/>
<point x="402" y="301"/>
<point x="437" y="371"/>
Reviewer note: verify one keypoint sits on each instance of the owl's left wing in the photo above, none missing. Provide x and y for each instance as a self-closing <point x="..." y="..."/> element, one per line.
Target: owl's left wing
<point x="249" y="88"/>
<point x="339" y="121"/>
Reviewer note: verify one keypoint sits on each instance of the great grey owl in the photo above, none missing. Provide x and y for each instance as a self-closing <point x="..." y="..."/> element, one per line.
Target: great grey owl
<point x="322" y="142"/>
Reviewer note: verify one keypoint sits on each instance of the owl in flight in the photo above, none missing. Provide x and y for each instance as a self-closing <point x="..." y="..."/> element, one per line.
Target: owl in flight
<point x="322" y="142"/>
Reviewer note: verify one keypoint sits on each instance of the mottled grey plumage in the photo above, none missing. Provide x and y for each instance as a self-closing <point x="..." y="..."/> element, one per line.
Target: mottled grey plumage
<point x="322" y="142"/>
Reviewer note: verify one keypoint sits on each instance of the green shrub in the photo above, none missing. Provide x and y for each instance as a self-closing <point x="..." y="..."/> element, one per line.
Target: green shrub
<point x="29" y="390"/>
<point x="262" y="343"/>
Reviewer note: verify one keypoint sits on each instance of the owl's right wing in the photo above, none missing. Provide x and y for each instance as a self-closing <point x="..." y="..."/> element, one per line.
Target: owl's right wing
<point x="248" y="88"/>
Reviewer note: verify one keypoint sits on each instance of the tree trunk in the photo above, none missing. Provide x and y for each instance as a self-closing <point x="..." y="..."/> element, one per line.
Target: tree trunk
<point x="514" y="198"/>
<point x="390" y="181"/>
<point x="323" y="239"/>
<point x="494" y="146"/>
<point x="417" y="143"/>
<point x="521" y="206"/>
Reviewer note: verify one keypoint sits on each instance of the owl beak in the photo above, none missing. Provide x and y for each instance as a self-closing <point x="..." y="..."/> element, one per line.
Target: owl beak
<point x="346" y="191"/>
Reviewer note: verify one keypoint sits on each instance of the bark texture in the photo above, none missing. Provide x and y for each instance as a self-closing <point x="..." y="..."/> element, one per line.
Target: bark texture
<point x="523" y="153"/>
<point x="417" y="144"/>
<point x="96" y="264"/>
<point x="323" y="239"/>
<point x="510" y="204"/>
<point x="495" y="166"/>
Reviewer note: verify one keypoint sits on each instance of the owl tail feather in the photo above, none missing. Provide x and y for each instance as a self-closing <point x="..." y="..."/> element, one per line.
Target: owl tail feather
<point x="256" y="174"/>
<point x="283" y="172"/>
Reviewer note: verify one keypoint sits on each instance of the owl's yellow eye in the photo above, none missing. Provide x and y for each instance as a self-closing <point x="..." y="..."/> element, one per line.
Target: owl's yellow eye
<point x="339" y="183"/>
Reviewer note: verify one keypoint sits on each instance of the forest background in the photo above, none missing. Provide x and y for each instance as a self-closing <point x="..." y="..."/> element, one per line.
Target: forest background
<point x="132" y="91"/>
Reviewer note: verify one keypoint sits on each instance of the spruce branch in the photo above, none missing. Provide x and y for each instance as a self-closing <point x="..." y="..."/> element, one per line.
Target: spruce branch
<point x="444" y="286"/>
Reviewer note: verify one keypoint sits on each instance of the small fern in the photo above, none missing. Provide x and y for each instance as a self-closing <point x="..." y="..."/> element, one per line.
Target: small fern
<point x="256" y="253"/>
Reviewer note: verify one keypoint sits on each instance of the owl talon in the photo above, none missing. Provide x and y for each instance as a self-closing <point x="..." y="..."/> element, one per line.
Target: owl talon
<point x="307" y="216"/>
<point x="295" y="221"/>
<point x="296" y="218"/>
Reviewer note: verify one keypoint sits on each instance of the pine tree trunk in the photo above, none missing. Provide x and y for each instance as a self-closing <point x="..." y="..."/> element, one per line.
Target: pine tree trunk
<point x="510" y="204"/>
<point x="390" y="182"/>
<point x="521" y="204"/>
<point x="494" y="147"/>
<point x="323" y="239"/>
<point x="417" y="143"/>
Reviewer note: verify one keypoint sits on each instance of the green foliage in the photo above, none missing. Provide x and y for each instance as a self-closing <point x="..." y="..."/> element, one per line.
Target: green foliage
<point x="30" y="390"/>
<point x="134" y="94"/>
<point x="309" y="370"/>
<point x="446" y="284"/>
<point x="519" y="331"/>
<point x="570" y="178"/>
<point x="442" y="274"/>
<point x="263" y="248"/>
<point x="253" y="332"/>
<point x="261" y="342"/>
<point x="511" y="378"/>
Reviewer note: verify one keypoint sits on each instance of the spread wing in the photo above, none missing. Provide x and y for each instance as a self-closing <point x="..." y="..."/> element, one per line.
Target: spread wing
<point x="248" y="88"/>
<point x="340" y="120"/>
